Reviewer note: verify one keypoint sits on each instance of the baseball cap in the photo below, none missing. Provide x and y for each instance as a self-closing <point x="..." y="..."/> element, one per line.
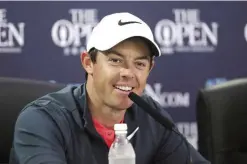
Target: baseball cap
<point x="117" y="27"/>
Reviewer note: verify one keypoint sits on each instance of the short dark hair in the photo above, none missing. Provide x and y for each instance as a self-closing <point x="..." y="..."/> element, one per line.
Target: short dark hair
<point x="93" y="52"/>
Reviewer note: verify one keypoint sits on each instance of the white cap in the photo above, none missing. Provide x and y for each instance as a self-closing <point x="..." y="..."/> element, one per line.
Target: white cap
<point x="120" y="127"/>
<point x="115" y="28"/>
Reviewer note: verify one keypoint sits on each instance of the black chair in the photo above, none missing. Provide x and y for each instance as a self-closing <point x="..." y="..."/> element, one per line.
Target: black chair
<point x="15" y="93"/>
<point x="222" y="122"/>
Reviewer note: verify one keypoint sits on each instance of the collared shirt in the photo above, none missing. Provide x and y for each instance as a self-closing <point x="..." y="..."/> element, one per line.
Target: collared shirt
<point x="58" y="129"/>
<point x="108" y="134"/>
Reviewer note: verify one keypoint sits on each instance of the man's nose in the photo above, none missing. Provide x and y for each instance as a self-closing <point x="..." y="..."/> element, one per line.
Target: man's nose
<point x="127" y="73"/>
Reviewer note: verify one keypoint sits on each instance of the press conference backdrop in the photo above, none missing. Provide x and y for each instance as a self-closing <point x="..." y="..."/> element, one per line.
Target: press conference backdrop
<point x="202" y="44"/>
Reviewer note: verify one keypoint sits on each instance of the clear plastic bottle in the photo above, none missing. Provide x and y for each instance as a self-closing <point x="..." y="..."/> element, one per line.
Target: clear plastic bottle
<point x="121" y="150"/>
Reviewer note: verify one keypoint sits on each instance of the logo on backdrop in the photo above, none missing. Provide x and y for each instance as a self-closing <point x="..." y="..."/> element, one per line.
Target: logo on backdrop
<point x="11" y="35"/>
<point x="73" y="35"/>
<point x="245" y="32"/>
<point x="168" y="99"/>
<point x="215" y="81"/>
<point x="189" y="130"/>
<point x="186" y="33"/>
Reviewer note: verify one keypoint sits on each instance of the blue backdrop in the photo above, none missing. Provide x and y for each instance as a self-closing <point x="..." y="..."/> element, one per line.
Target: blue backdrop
<point x="202" y="43"/>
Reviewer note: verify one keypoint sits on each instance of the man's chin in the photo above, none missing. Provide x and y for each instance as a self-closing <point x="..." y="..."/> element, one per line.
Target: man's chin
<point x="125" y="106"/>
<point x="121" y="103"/>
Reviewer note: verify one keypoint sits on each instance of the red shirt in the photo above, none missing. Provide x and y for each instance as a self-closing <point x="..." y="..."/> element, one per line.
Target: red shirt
<point x="106" y="133"/>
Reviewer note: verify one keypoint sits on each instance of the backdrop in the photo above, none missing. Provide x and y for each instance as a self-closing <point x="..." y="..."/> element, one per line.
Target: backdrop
<point x="202" y="43"/>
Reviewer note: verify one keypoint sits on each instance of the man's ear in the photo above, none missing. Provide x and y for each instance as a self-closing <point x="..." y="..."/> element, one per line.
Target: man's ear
<point x="86" y="62"/>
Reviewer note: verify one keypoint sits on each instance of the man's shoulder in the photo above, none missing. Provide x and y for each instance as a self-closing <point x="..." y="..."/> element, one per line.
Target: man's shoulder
<point x="56" y="109"/>
<point x="54" y="102"/>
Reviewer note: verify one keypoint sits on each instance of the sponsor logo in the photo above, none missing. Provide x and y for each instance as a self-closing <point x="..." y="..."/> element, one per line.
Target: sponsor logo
<point x="11" y="34"/>
<point x="215" y="81"/>
<point x="72" y="35"/>
<point x="189" y="130"/>
<point x="186" y="33"/>
<point x="120" y="23"/>
<point x="168" y="99"/>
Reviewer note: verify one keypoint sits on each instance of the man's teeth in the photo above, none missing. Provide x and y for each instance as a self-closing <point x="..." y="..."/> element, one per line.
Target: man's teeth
<point x="124" y="88"/>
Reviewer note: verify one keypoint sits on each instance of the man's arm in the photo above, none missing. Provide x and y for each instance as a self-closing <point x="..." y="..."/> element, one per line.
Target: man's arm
<point x="37" y="138"/>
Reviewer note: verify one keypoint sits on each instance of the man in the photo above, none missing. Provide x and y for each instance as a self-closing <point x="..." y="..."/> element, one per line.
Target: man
<point x="75" y="125"/>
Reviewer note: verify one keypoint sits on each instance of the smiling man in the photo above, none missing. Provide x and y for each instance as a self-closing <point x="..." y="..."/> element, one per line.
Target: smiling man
<point x="75" y="125"/>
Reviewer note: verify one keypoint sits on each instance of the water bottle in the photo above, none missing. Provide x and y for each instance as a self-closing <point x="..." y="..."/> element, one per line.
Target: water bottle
<point x="121" y="150"/>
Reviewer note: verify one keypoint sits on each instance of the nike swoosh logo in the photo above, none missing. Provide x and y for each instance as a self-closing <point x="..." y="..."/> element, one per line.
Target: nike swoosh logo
<point x="120" y="23"/>
<point x="132" y="134"/>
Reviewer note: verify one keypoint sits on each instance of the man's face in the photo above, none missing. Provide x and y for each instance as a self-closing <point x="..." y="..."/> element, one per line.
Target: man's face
<point x="120" y="70"/>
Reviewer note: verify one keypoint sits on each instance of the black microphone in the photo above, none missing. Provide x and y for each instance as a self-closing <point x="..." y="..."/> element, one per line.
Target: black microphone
<point x="152" y="112"/>
<point x="159" y="118"/>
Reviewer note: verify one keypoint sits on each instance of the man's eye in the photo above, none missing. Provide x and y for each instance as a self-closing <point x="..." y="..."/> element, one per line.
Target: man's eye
<point x="115" y="60"/>
<point x="141" y="65"/>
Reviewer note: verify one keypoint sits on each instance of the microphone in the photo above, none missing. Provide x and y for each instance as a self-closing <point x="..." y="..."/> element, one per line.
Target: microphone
<point x="152" y="112"/>
<point x="159" y="118"/>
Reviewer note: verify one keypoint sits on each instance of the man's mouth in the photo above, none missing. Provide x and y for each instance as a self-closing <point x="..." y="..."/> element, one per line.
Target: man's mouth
<point x="124" y="88"/>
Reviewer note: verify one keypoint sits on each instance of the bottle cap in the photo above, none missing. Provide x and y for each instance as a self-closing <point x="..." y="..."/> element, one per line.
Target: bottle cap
<point x="120" y="127"/>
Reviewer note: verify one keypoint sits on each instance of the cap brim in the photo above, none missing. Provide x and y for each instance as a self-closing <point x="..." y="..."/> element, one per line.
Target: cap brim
<point x="153" y="46"/>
